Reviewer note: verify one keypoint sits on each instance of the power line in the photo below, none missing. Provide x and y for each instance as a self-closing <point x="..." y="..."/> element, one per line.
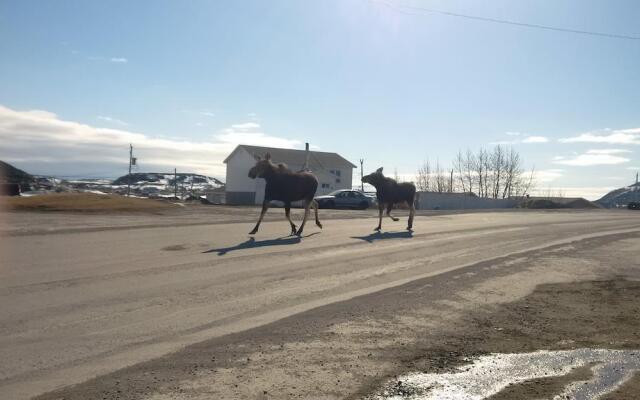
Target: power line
<point x="423" y="11"/>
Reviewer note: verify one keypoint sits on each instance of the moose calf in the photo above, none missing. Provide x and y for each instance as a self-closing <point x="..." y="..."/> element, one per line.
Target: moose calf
<point x="390" y="192"/>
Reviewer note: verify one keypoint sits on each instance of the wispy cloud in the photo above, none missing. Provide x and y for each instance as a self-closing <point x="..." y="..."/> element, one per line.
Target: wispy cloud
<point x="519" y="137"/>
<point x="112" y="120"/>
<point x="251" y="133"/>
<point x="593" y="157"/>
<point x="548" y="175"/>
<point x="622" y="136"/>
<point x="535" y="139"/>
<point x="41" y="139"/>
<point x="114" y="60"/>
<point x="608" y="151"/>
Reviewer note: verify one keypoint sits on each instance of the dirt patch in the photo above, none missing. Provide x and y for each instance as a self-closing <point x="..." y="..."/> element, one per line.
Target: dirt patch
<point x="175" y="247"/>
<point x="84" y="202"/>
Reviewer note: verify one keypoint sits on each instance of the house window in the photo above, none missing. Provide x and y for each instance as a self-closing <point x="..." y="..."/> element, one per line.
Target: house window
<point x="337" y="172"/>
<point x="325" y="186"/>
<point x="337" y="180"/>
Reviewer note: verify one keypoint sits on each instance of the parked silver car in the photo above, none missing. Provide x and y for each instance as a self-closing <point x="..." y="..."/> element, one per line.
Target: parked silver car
<point x="346" y="199"/>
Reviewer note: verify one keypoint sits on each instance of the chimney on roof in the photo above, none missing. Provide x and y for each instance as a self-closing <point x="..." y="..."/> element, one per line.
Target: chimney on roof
<point x="306" y="156"/>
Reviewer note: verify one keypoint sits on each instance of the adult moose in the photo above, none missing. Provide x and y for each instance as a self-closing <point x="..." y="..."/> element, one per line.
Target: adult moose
<point x="389" y="192"/>
<point x="286" y="186"/>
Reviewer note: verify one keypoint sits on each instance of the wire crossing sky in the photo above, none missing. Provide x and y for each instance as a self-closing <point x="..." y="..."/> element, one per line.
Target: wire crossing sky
<point x="402" y="8"/>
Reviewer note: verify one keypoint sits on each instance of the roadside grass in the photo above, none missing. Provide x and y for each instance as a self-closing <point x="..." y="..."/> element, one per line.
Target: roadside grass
<point x="84" y="202"/>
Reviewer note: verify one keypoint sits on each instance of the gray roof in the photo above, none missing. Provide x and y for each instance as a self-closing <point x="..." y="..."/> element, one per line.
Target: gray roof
<point x="317" y="159"/>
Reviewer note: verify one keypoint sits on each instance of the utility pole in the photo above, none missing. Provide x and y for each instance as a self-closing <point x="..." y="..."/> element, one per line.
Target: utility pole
<point x="306" y="157"/>
<point x="361" y="174"/>
<point x="451" y="182"/>
<point x="129" y="176"/>
<point x="175" y="182"/>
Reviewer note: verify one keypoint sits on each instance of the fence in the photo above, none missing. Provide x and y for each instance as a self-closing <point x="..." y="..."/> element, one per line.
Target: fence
<point x="459" y="201"/>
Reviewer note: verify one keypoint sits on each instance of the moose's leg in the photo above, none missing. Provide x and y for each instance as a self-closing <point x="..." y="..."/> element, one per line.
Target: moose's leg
<point x="315" y="207"/>
<point x="412" y="212"/>
<point x="287" y="212"/>
<point x="307" y="204"/>
<point x="380" y="210"/>
<point x="389" y="207"/>
<point x="265" y="206"/>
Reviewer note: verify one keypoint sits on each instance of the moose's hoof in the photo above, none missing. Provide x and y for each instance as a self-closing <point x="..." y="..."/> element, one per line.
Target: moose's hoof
<point x="377" y="229"/>
<point x="319" y="225"/>
<point x="396" y="219"/>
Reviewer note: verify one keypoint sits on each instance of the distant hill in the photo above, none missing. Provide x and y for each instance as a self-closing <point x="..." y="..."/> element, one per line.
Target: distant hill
<point x="557" y="202"/>
<point x="620" y="197"/>
<point x="11" y="174"/>
<point x="159" y="178"/>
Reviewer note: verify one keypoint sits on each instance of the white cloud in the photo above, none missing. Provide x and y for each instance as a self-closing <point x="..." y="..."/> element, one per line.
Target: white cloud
<point x="535" y="139"/>
<point x="519" y="137"/>
<point x="119" y="60"/>
<point x="592" y="157"/>
<point x="608" y="151"/>
<point x="623" y="136"/>
<point x="112" y="120"/>
<point x="251" y="133"/>
<point x="548" y="175"/>
<point x="207" y="114"/>
<point x="36" y="137"/>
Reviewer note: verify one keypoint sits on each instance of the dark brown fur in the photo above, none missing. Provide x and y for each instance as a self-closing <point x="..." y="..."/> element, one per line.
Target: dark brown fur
<point x="389" y="192"/>
<point x="286" y="186"/>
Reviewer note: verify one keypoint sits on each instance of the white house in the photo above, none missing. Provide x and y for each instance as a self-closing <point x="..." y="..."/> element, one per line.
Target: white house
<point x="332" y="170"/>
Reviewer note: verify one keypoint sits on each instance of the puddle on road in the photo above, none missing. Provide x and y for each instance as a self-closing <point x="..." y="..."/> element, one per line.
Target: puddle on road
<point x="487" y="375"/>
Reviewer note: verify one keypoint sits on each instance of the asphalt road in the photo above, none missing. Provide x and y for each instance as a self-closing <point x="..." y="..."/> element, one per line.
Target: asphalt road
<point x="76" y="305"/>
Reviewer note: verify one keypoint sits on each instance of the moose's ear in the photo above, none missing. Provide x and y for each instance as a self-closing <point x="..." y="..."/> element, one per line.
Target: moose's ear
<point x="379" y="170"/>
<point x="257" y="157"/>
<point x="267" y="156"/>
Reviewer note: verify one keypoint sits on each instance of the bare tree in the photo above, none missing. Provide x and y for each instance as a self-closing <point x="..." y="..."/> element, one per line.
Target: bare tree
<point x="441" y="180"/>
<point x="469" y="163"/>
<point x="423" y="177"/>
<point x="497" y="171"/>
<point x="459" y="167"/>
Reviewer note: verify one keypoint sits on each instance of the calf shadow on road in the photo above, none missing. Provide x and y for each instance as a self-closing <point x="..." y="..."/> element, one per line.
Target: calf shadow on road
<point x="385" y="235"/>
<point x="252" y="243"/>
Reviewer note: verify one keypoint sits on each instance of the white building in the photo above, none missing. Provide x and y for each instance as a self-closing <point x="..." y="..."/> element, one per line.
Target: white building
<point x="332" y="170"/>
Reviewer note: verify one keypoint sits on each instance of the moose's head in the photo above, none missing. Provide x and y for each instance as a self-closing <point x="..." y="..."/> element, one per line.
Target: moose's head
<point x="374" y="178"/>
<point x="263" y="165"/>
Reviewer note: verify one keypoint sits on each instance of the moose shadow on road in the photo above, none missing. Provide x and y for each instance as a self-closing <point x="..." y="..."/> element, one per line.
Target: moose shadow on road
<point x="252" y="243"/>
<point x="385" y="235"/>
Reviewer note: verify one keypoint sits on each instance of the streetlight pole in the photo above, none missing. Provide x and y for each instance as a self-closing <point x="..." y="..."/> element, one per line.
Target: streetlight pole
<point x="361" y="174"/>
<point x="129" y="176"/>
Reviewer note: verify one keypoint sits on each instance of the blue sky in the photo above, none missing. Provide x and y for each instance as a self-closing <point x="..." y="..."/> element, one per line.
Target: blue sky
<point x="186" y="81"/>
